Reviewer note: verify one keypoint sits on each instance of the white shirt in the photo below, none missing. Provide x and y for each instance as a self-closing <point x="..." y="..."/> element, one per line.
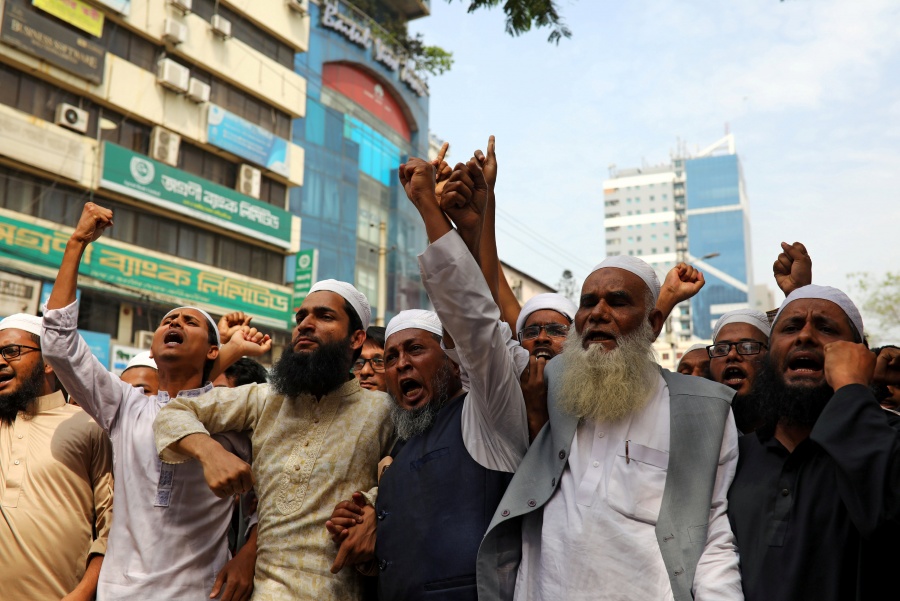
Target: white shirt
<point x="596" y="538"/>
<point x="494" y="418"/>
<point x="168" y="538"/>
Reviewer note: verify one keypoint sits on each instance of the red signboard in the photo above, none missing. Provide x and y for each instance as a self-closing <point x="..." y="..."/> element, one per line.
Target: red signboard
<point x="367" y="92"/>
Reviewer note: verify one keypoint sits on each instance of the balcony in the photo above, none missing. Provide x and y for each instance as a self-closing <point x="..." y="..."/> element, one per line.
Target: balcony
<point x="410" y="9"/>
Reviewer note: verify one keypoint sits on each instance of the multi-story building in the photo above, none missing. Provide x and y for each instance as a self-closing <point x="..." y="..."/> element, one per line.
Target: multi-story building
<point x="177" y="114"/>
<point x="367" y="111"/>
<point x="694" y="209"/>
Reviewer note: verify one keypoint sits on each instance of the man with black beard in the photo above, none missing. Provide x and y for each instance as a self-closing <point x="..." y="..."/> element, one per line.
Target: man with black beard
<point x="317" y="437"/>
<point x="55" y="478"/>
<point x="622" y="495"/>
<point x="815" y="503"/>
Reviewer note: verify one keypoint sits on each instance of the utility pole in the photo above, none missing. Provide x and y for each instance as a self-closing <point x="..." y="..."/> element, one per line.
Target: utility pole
<point x="382" y="273"/>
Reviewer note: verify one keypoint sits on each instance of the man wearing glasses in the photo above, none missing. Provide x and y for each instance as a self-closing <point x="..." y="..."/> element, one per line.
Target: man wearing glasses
<point x="740" y="343"/>
<point x="55" y="477"/>
<point x="369" y="366"/>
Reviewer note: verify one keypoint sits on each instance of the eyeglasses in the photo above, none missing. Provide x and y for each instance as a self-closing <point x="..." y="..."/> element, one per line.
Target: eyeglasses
<point x="14" y="351"/>
<point x="744" y="347"/>
<point x="360" y="364"/>
<point x="554" y="330"/>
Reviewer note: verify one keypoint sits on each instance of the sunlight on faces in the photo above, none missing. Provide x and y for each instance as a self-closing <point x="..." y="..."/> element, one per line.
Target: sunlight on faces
<point x="183" y="336"/>
<point x="544" y="345"/>
<point x="322" y="319"/>
<point x="24" y="378"/>
<point x="735" y="370"/>
<point x="695" y="363"/>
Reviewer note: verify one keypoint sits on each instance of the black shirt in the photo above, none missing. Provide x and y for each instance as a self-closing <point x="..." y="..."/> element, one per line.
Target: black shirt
<point x="822" y="522"/>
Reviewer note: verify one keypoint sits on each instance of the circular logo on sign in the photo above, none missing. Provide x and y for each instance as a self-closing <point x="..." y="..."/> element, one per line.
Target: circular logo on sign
<point x="142" y="170"/>
<point x="379" y="93"/>
<point x="304" y="261"/>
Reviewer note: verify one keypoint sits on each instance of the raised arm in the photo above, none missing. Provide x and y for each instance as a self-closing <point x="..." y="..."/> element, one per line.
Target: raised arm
<point x="793" y="267"/>
<point x="682" y="282"/>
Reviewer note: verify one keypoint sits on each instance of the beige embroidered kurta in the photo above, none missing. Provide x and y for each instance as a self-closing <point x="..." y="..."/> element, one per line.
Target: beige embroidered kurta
<point x="55" y="491"/>
<point x="308" y="456"/>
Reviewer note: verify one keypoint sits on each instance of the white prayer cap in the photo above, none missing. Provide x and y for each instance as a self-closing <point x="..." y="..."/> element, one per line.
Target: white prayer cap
<point x="694" y="347"/>
<point x="212" y="323"/>
<point x="142" y="359"/>
<point x="541" y="302"/>
<point x="830" y="294"/>
<point x="414" y="318"/>
<point x="755" y="318"/>
<point x="638" y="267"/>
<point x="357" y="299"/>
<point x="22" y="321"/>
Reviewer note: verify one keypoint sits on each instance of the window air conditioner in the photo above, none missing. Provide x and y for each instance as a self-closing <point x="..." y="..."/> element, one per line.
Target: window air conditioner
<point x="249" y="181"/>
<point x="301" y="6"/>
<point x="221" y="26"/>
<point x="198" y="91"/>
<point x="174" y="32"/>
<point x="164" y="145"/>
<point x="143" y="338"/>
<point x="71" y="117"/>
<point x="184" y="6"/>
<point x="173" y="76"/>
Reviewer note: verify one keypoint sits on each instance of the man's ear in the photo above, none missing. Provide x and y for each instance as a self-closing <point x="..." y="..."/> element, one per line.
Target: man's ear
<point x="657" y="321"/>
<point x="357" y="339"/>
<point x="211" y="354"/>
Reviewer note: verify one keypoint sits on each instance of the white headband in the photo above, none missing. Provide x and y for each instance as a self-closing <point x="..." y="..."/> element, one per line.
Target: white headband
<point x="22" y="321"/>
<point x="212" y="324"/>
<point x="414" y="318"/>
<point x="142" y="359"/>
<point x="638" y="267"/>
<point x="543" y="302"/>
<point x="757" y="319"/>
<point x="830" y="294"/>
<point x="357" y="299"/>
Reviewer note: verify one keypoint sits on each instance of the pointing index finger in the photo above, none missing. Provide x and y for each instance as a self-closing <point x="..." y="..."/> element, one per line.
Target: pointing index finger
<point x="442" y="152"/>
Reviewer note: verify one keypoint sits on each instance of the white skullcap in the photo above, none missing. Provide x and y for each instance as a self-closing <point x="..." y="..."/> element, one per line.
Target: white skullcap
<point x="22" y="321"/>
<point x="142" y="359"/>
<point x="357" y="299"/>
<point x="414" y="318"/>
<point x="694" y="347"/>
<point x="549" y="301"/>
<point x="752" y="317"/>
<point x="638" y="267"/>
<point x="830" y="294"/>
<point x="212" y="324"/>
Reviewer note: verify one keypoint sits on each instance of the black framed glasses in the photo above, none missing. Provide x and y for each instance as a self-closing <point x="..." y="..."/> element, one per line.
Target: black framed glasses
<point x="360" y="364"/>
<point x="554" y="330"/>
<point x="14" y="351"/>
<point x="744" y="347"/>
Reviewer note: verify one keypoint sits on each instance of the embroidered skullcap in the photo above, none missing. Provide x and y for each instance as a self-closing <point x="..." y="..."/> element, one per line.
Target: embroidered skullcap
<point x="830" y="294"/>
<point x="357" y="299"/>
<point x="22" y="321"/>
<point x="212" y="323"/>
<point x="541" y="302"/>
<point x="142" y="359"/>
<point x="414" y="318"/>
<point x="694" y="347"/>
<point x="638" y="267"/>
<point x="752" y="317"/>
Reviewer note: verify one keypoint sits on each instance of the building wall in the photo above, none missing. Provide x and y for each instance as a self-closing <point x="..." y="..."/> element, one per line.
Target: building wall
<point x="361" y="123"/>
<point x="183" y="233"/>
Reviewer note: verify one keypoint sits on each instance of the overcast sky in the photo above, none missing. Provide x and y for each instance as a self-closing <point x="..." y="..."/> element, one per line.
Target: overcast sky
<point x="810" y="89"/>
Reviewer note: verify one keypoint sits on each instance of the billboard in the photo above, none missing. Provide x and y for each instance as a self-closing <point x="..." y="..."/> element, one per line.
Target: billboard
<point x="247" y="140"/>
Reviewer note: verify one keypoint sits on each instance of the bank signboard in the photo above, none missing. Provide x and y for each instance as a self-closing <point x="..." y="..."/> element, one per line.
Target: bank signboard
<point x="139" y="176"/>
<point x="37" y="35"/>
<point x="141" y="273"/>
<point x="247" y="140"/>
<point x="305" y="275"/>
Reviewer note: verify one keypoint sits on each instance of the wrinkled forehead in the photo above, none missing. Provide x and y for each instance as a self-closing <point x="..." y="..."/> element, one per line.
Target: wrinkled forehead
<point x="324" y="298"/>
<point x="614" y="279"/>
<point x="807" y="308"/>
<point x="409" y="335"/>
<point x="174" y="313"/>
<point x="734" y="331"/>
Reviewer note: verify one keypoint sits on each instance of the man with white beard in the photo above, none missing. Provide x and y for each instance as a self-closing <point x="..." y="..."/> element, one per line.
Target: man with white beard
<point x="623" y="494"/>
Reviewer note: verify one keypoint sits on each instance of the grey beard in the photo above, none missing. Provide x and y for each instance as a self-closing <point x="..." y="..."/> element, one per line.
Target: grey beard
<point x="605" y="386"/>
<point x="412" y="422"/>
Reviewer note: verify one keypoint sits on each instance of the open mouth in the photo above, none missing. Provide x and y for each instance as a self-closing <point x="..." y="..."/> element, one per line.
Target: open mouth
<point x="597" y="336"/>
<point x="6" y="377"/>
<point x="810" y="364"/>
<point x="733" y="377"/>
<point x="173" y="337"/>
<point x="543" y="352"/>
<point x="412" y="390"/>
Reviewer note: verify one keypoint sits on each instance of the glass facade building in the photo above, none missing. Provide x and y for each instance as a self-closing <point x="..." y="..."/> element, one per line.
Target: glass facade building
<point x="717" y="222"/>
<point x="362" y="121"/>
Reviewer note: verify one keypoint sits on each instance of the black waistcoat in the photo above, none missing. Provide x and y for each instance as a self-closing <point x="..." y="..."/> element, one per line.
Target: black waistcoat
<point x="434" y="506"/>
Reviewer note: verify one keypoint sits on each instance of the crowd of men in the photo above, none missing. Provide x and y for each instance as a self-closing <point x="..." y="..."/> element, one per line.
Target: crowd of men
<point x="483" y="450"/>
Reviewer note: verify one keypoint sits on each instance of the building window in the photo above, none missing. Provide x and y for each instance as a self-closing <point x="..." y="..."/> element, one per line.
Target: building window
<point x="247" y="32"/>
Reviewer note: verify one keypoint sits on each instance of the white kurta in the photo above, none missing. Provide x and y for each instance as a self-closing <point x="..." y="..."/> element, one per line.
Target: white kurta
<point x="595" y="539"/>
<point x="169" y="536"/>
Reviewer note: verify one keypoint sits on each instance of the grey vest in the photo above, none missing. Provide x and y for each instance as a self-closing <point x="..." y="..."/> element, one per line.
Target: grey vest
<point x="698" y="411"/>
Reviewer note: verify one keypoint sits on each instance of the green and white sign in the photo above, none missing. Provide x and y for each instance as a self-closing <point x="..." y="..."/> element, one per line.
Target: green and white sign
<point x="136" y="270"/>
<point x="307" y="265"/>
<point x="138" y="176"/>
